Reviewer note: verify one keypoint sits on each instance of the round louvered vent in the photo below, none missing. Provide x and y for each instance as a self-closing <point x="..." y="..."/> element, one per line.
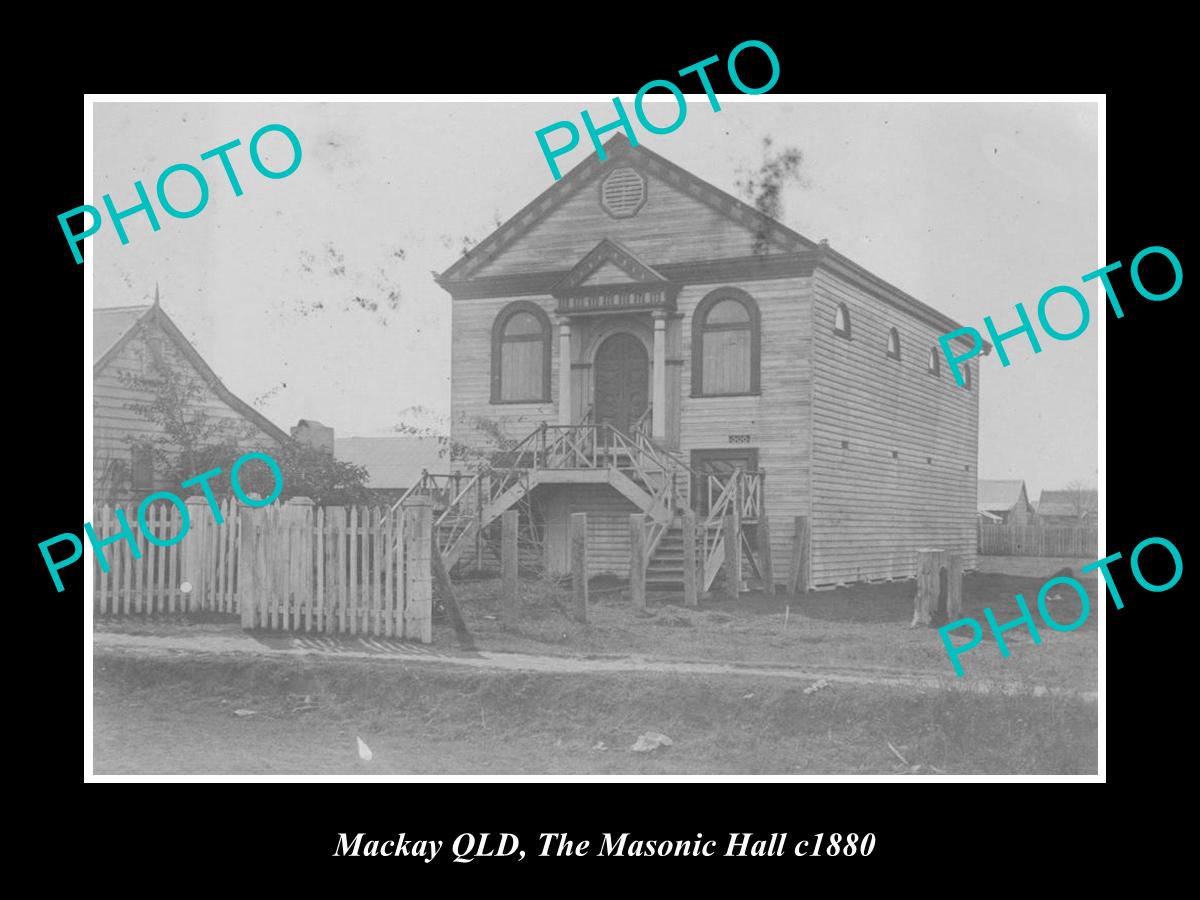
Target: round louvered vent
<point x="623" y="193"/>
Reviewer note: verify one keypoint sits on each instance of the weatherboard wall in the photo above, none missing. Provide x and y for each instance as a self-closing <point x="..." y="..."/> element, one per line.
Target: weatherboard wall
<point x="894" y="448"/>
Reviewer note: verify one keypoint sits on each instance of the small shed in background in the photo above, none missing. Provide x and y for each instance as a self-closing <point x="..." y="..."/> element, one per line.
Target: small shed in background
<point x="394" y="463"/>
<point x="1006" y="500"/>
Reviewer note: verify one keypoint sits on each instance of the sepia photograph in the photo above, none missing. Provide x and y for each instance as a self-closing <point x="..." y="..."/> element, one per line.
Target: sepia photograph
<point x="472" y="438"/>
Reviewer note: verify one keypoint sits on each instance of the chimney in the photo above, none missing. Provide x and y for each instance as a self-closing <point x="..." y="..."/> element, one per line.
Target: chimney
<point x="314" y="434"/>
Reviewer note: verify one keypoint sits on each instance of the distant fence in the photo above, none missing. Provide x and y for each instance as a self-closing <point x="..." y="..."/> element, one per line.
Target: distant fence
<point x="285" y="567"/>
<point x="1036" y="540"/>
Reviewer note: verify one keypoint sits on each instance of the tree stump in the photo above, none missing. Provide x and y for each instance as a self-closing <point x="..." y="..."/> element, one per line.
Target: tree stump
<point x="932" y="567"/>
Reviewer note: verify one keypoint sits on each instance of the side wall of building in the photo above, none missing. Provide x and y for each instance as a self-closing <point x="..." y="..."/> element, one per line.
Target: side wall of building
<point x="894" y="448"/>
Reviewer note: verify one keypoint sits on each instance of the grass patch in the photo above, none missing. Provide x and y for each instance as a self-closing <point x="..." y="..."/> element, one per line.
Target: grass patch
<point x="176" y="716"/>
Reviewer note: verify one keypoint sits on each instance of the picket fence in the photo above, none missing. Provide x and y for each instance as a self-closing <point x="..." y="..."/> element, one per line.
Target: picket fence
<point x="286" y="567"/>
<point x="1036" y="540"/>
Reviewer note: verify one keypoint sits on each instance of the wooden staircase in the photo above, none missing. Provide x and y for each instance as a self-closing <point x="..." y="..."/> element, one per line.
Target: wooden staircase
<point x="664" y="571"/>
<point x="655" y="480"/>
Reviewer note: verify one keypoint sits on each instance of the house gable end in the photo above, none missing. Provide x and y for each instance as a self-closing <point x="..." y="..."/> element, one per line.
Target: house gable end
<point x="156" y="318"/>
<point x="557" y="228"/>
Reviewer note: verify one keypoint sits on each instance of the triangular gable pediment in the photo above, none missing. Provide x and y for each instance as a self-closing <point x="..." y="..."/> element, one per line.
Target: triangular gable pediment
<point x="609" y="273"/>
<point x="608" y="263"/>
<point x="528" y="241"/>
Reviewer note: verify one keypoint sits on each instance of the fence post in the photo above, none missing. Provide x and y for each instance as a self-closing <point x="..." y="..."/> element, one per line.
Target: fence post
<point x="798" y="576"/>
<point x="637" y="561"/>
<point x="192" y="569"/>
<point x="510" y="602"/>
<point x="765" y="562"/>
<point x="302" y="510"/>
<point x="250" y="582"/>
<point x="579" y="564"/>
<point x="733" y="556"/>
<point x="689" y="558"/>
<point x="418" y="577"/>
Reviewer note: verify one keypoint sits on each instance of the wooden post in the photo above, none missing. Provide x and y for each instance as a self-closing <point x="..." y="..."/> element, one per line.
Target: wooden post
<point x="192" y="570"/>
<point x="766" y="564"/>
<point x="930" y="563"/>
<point x="798" y="575"/>
<point x="449" y="599"/>
<point x="418" y="583"/>
<point x="478" y="520"/>
<point x="689" y="558"/>
<point x="637" y="561"/>
<point x="925" y="600"/>
<point x="302" y="513"/>
<point x="245" y="574"/>
<point x="954" y="587"/>
<point x="337" y="593"/>
<point x="733" y="557"/>
<point x="352" y="595"/>
<point x="579" y="564"/>
<point x="510" y="601"/>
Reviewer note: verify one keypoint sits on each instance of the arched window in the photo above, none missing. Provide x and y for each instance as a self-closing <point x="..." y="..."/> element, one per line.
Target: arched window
<point x="893" y="344"/>
<point x="521" y="354"/>
<point x="725" y="344"/>
<point x="935" y="364"/>
<point x="841" y="321"/>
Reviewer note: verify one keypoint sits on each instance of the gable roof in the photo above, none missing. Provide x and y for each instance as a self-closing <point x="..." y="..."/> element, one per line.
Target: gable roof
<point x="787" y="245"/>
<point x="110" y="324"/>
<point x="115" y="326"/>
<point x="999" y="494"/>
<point x="1062" y="503"/>
<point x="392" y="462"/>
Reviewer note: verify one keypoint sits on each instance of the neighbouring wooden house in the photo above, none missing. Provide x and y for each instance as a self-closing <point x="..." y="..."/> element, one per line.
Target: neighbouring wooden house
<point x="1006" y="501"/>
<point x="646" y="343"/>
<point x="131" y="345"/>
<point x="1069" y="508"/>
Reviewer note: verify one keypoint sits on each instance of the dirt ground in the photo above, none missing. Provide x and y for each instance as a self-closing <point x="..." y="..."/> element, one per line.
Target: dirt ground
<point x="172" y="711"/>
<point x="865" y="626"/>
<point x="212" y="715"/>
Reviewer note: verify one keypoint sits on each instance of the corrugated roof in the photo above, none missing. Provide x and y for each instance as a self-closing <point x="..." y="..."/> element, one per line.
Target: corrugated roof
<point x="108" y="324"/>
<point x="1062" y="503"/>
<point x="998" y="494"/>
<point x="394" y="462"/>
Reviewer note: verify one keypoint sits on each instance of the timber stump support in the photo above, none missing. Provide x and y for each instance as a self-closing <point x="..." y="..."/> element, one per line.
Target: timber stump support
<point x="932" y="565"/>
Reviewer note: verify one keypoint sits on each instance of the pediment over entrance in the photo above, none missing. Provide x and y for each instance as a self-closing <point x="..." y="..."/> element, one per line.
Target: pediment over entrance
<point x="611" y="278"/>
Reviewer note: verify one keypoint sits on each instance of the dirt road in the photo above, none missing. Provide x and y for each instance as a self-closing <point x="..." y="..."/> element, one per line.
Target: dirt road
<point x="224" y="642"/>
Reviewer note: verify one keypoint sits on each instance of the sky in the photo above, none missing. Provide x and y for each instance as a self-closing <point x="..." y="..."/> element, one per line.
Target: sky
<point x="312" y="296"/>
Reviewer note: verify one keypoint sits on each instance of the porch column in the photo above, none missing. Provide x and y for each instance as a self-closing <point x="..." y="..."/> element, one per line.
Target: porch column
<point x="658" y="422"/>
<point x="564" y="372"/>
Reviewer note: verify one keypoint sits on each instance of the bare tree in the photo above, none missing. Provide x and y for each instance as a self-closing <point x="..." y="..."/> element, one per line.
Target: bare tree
<point x="763" y="187"/>
<point x="1082" y="500"/>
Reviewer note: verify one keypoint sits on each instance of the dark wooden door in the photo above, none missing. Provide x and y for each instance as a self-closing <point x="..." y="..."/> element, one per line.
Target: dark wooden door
<point x="622" y="376"/>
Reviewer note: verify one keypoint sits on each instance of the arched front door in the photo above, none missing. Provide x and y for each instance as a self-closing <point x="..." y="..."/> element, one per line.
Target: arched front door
<point x="622" y="378"/>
